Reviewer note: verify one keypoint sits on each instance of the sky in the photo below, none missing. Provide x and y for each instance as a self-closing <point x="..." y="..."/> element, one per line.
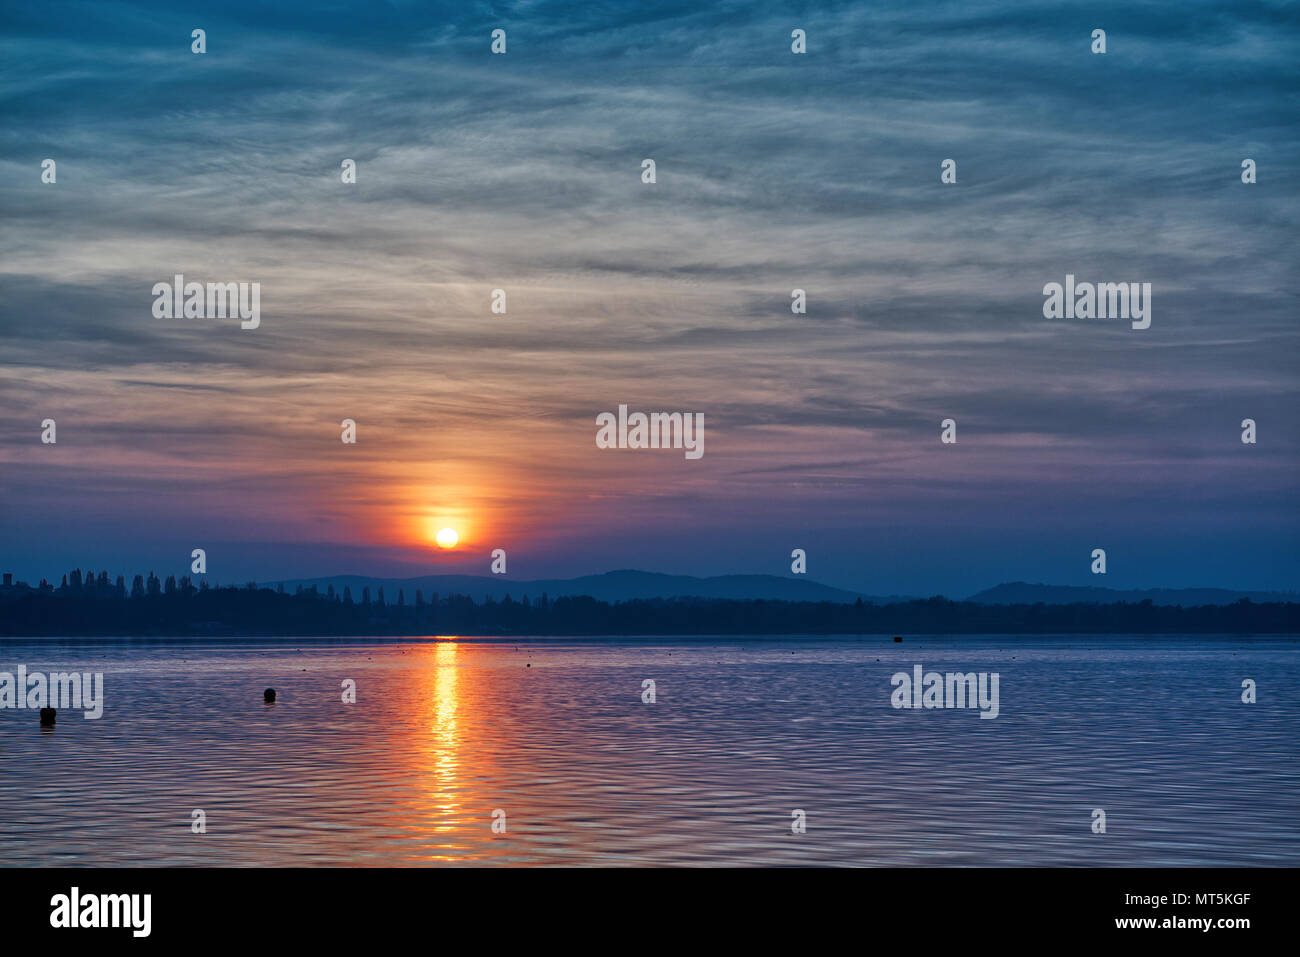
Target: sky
<point x="775" y="171"/>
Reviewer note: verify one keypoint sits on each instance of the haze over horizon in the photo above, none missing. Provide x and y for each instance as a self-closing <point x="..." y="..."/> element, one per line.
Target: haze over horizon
<point x="774" y="172"/>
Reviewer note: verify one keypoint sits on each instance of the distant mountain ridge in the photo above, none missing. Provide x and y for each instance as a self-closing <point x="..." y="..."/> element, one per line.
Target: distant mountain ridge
<point x="622" y="585"/>
<point x="630" y="584"/>
<point x="1023" y="593"/>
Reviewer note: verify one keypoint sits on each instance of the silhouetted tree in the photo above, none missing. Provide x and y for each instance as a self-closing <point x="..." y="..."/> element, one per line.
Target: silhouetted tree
<point x="252" y="611"/>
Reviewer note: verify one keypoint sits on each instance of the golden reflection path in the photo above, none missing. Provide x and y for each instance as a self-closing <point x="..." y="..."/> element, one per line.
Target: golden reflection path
<point x="439" y="680"/>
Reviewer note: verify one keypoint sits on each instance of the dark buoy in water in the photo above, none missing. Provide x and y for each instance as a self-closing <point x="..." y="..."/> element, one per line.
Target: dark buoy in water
<point x="898" y="637"/>
<point x="269" y="696"/>
<point x="47" y="717"/>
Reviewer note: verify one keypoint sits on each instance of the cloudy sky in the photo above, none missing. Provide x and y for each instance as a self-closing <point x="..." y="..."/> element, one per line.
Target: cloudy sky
<point x="775" y="171"/>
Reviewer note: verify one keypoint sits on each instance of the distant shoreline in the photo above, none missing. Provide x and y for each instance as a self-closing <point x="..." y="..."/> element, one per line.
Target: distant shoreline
<point x="180" y="609"/>
<point x="908" y="639"/>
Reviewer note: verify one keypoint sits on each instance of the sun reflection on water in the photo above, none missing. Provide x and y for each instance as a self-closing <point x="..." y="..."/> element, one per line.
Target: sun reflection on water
<point x="446" y="743"/>
<point x="440" y="678"/>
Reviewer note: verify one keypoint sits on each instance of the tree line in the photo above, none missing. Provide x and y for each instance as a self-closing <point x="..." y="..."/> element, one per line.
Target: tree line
<point x="95" y="605"/>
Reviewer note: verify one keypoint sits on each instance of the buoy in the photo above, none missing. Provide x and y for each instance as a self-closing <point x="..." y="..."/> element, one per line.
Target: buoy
<point x="47" y="717"/>
<point x="269" y="696"/>
<point x="898" y="637"/>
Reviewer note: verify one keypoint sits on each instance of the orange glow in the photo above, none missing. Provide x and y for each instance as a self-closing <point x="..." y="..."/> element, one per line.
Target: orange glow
<point x="446" y="748"/>
<point x="444" y="530"/>
<point x="442" y="828"/>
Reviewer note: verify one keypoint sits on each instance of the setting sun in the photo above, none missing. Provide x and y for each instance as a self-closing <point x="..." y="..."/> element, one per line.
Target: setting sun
<point x="447" y="537"/>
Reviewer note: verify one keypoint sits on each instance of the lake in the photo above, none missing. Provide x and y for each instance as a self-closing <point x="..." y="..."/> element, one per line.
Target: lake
<point x="554" y="735"/>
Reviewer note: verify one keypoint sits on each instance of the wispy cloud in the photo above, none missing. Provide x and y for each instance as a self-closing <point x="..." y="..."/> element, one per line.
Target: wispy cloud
<point x="523" y="172"/>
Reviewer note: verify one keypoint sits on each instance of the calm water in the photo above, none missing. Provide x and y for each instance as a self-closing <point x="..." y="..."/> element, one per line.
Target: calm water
<point x="443" y="733"/>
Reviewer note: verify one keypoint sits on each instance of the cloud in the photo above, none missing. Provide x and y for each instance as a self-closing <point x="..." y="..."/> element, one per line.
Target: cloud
<point x="523" y="172"/>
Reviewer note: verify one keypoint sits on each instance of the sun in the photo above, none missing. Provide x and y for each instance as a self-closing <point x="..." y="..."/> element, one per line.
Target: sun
<point x="447" y="538"/>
